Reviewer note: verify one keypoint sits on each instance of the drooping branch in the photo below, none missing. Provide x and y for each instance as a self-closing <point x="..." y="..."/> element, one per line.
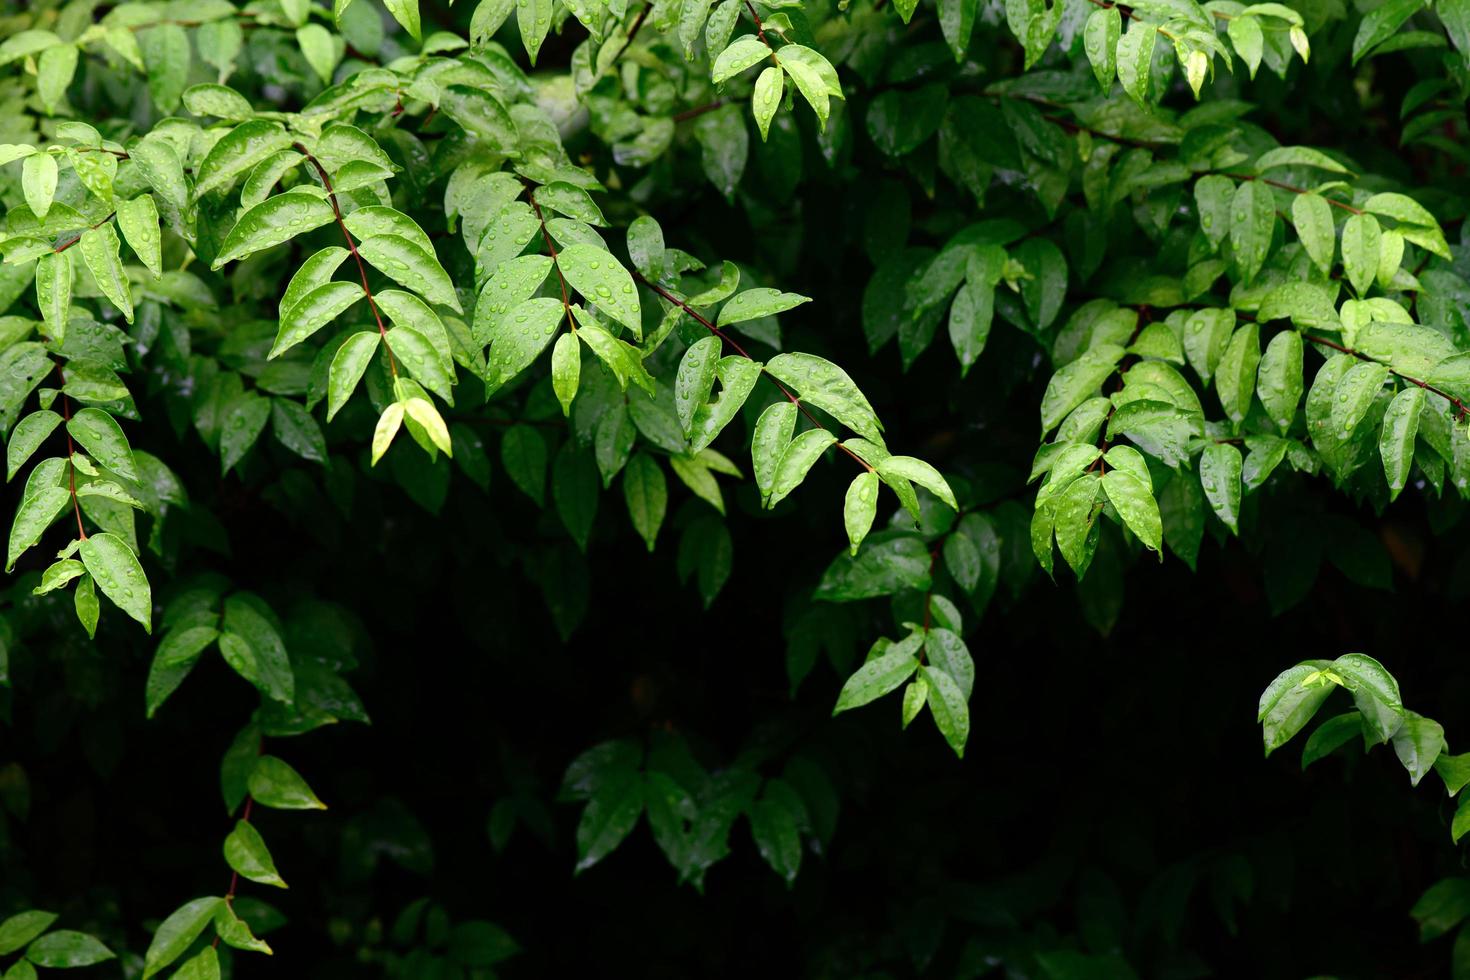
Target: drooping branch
<point x="704" y="322"/>
<point x="351" y="247"/>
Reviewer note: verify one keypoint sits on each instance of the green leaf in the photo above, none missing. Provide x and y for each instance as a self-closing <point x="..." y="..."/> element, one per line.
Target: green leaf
<point x="646" y="492"/>
<point x="1076" y="382"/>
<point x="1360" y="251"/>
<point x="177" y="932"/>
<point x="1312" y="216"/>
<point x="599" y="277"/>
<point x="1396" y="441"/>
<point x="27" y="437"/>
<point x="1298" y="156"/>
<point x="348" y="365"/>
<point x="1253" y="216"/>
<point x="1214" y="195"/>
<point x="737" y="376"/>
<point x="917" y="471"/>
<point x="948" y="706"/>
<point x="1219" y="475"/>
<point x="388" y="425"/>
<point x="274" y="784"/>
<point x="1279" y="378"/>
<point x="66" y="948"/>
<point x="21" y="928"/>
<point x="534" y="19"/>
<point x="1381" y="23"/>
<point x="1375" y="692"/>
<point x="695" y="379"/>
<point x="1245" y="34"/>
<point x="38" y="182"/>
<point x="410" y="264"/>
<point x="774" y="830"/>
<point x="884" y="566"/>
<point x="610" y="815"/>
<point x="1290" y="702"/>
<point x="1135" y="54"/>
<point x="622" y="359"/>
<point x="237" y="152"/>
<point x="814" y="77"/>
<point x="1356" y="393"/>
<point x="275" y="220"/>
<point x="746" y="51"/>
<point x="1330" y="736"/>
<point x="767" y="98"/>
<point x="175" y="657"/>
<point x="88" y="609"/>
<point x="755" y="303"/>
<point x="797" y="460"/>
<point x="166" y="54"/>
<point x="314" y="272"/>
<point x="566" y="370"/>
<point x="1235" y="378"/>
<point x="53" y="292"/>
<point x="34" y="515"/>
<point x="1454" y="770"/>
<point x="1417" y="743"/>
<point x="1136" y="505"/>
<point x="216" y="100"/>
<point x="117" y="572"/>
<point x="773" y="431"/>
<point x="272" y="673"/>
<point x="860" y="507"/>
<point x="879" y="676"/>
<point x="523" y="453"/>
<point x="313" y="311"/>
<point x="99" y="434"/>
<point x="246" y="853"/>
<point x="319" y="49"/>
<point x="1100" y="40"/>
<point x="138" y="221"/>
<point x="248" y="413"/>
<point x="203" y="965"/>
<point x="823" y="384"/>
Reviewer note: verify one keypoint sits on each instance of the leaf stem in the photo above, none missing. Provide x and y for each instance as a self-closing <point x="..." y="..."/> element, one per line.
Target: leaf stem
<point x="760" y="31"/>
<point x="351" y="247"/>
<point x="566" y="304"/>
<point x="76" y="238"/>
<point x="1295" y="190"/>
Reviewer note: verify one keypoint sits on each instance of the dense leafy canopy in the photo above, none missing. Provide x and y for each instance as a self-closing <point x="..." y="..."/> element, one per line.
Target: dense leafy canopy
<point x="313" y="314"/>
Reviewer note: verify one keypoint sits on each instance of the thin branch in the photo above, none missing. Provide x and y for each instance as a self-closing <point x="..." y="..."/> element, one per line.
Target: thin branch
<point x="1462" y="411"/>
<point x="235" y="875"/>
<point x="633" y="31"/>
<point x="1293" y="189"/>
<point x="698" y="111"/>
<point x="760" y="31"/>
<point x="703" y="321"/>
<point x="566" y="304"/>
<point x="351" y="247"/>
<point x="76" y="238"/>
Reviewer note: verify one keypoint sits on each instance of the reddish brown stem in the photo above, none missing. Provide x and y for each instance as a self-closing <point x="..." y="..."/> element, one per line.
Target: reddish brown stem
<point x="235" y="875"/>
<point x="633" y="31"/>
<point x="76" y="238"/>
<point x="698" y="111"/>
<point x="743" y="353"/>
<point x="1295" y="190"/>
<point x="566" y="303"/>
<point x="760" y="31"/>
<point x="1461" y="409"/>
<point x="352" y="247"/>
